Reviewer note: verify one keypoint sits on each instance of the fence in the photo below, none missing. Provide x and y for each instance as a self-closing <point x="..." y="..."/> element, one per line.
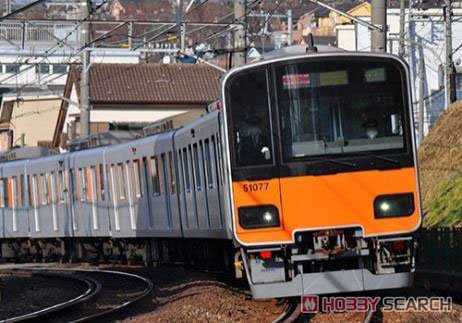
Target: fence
<point x="440" y="250"/>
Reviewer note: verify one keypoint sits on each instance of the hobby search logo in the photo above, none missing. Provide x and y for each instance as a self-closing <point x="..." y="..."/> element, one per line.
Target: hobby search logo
<point x="314" y="304"/>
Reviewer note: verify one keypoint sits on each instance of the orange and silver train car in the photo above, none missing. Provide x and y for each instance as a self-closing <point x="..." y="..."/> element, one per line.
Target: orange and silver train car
<point x="306" y="175"/>
<point x="323" y="172"/>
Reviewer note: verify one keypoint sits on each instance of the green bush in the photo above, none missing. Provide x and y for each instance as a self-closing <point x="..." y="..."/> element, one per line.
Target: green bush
<point x="446" y="204"/>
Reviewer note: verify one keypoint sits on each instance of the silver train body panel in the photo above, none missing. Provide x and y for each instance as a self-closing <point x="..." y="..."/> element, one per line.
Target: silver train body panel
<point x="167" y="185"/>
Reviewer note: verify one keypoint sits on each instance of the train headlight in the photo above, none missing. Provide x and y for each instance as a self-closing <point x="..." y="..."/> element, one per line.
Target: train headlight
<point x="262" y="216"/>
<point x="396" y="205"/>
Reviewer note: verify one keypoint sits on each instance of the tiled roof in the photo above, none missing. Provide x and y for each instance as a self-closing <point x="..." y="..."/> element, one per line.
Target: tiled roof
<point x="153" y="83"/>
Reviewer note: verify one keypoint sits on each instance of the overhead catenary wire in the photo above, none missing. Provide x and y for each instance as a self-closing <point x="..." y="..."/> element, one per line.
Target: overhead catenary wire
<point x="54" y="48"/>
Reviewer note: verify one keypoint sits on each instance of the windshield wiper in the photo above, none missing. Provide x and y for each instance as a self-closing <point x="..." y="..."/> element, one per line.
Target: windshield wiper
<point x="387" y="159"/>
<point x="336" y="161"/>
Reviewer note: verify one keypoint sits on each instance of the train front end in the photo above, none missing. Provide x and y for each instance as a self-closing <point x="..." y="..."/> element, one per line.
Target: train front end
<point x="322" y="164"/>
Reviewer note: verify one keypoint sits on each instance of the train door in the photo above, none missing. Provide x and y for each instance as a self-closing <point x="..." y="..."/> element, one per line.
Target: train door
<point x="201" y="207"/>
<point x="89" y="202"/>
<point x="48" y="215"/>
<point x="212" y="187"/>
<point x="16" y="211"/>
<point x="167" y="217"/>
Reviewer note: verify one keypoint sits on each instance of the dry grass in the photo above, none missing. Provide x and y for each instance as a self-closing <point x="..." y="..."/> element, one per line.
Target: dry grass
<point x="440" y="155"/>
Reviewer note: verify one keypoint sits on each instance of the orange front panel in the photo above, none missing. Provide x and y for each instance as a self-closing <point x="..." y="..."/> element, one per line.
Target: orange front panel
<point x="338" y="200"/>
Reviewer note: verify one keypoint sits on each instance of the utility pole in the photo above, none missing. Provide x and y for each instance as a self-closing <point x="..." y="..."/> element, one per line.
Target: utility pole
<point x="402" y="17"/>
<point x="379" y="19"/>
<point x="84" y="76"/>
<point x="448" y="39"/>
<point x="289" y="27"/>
<point x="239" y="33"/>
<point x="179" y="23"/>
<point x="421" y="98"/>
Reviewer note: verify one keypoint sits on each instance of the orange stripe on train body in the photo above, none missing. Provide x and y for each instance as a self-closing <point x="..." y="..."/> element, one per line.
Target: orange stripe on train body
<point x="337" y="200"/>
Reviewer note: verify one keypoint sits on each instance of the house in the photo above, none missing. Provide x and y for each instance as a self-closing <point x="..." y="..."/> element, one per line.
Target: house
<point x="26" y="117"/>
<point x="131" y="96"/>
<point x="321" y="22"/>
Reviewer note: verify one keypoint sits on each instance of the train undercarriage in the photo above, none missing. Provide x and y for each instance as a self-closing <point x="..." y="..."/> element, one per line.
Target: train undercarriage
<point x="210" y="254"/>
<point x="329" y="261"/>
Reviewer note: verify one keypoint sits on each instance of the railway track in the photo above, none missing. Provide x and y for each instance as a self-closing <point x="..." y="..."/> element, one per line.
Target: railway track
<point x="107" y="292"/>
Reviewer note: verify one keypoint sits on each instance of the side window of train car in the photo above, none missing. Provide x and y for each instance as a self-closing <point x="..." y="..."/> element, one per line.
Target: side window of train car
<point x="171" y="173"/>
<point x="44" y="187"/>
<point x="83" y="184"/>
<point x="6" y="193"/>
<point x="218" y="159"/>
<point x="155" y="176"/>
<point x="197" y="173"/>
<point x="53" y="191"/>
<point x="62" y="189"/>
<point x="9" y="187"/>
<point x="101" y="183"/>
<point x="208" y="162"/>
<point x="137" y="178"/>
<point x="35" y="191"/>
<point x="92" y="189"/>
<point x="185" y="164"/>
<point x="2" y="194"/>
<point x="29" y="191"/>
<point x="15" y="190"/>
<point x="121" y="178"/>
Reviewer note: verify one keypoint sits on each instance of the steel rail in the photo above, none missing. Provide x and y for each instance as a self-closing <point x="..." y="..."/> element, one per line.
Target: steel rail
<point x="51" y="310"/>
<point x="93" y="288"/>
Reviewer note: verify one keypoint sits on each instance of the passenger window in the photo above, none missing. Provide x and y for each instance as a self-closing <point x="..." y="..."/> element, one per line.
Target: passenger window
<point x="197" y="168"/>
<point x="121" y="176"/>
<point x="36" y="192"/>
<point x="10" y="193"/>
<point x="2" y="193"/>
<point x="53" y="188"/>
<point x="155" y="176"/>
<point x="101" y="183"/>
<point x="16" y="193"/>
<point x="171" y="173"/>
<point x="43" y="181"/>
<point x="218" y="159"/>
<point x="83" y="184"/>
<point x="186" y="170"/>
<point x="91" y="176"/>
<point x="137" y="178"/>
<point x="208" y="163"/>
<point x="62" y="186"/>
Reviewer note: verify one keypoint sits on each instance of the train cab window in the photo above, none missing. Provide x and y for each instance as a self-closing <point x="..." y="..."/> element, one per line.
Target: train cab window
<point x="197" y="172"/>
<point x="334" y="107"/>
<point x="137" y="178"/>
<point x="208" y="162"/>
<point x="185" y="162"/>
<point x="155" y="176"/>
<point x="250" y="119"/>
<point x="121" y="178"/>
<point x="172" y="176"/>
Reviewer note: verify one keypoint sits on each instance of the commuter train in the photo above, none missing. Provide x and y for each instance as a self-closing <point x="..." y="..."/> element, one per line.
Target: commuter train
<point x="304" y="175"/>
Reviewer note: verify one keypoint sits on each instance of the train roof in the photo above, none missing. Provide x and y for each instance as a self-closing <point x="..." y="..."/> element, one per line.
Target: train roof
<point x="298" y="50"/>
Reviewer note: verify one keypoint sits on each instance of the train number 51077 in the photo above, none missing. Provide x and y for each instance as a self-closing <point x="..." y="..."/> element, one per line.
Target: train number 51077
<point x="254" y="187"/>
